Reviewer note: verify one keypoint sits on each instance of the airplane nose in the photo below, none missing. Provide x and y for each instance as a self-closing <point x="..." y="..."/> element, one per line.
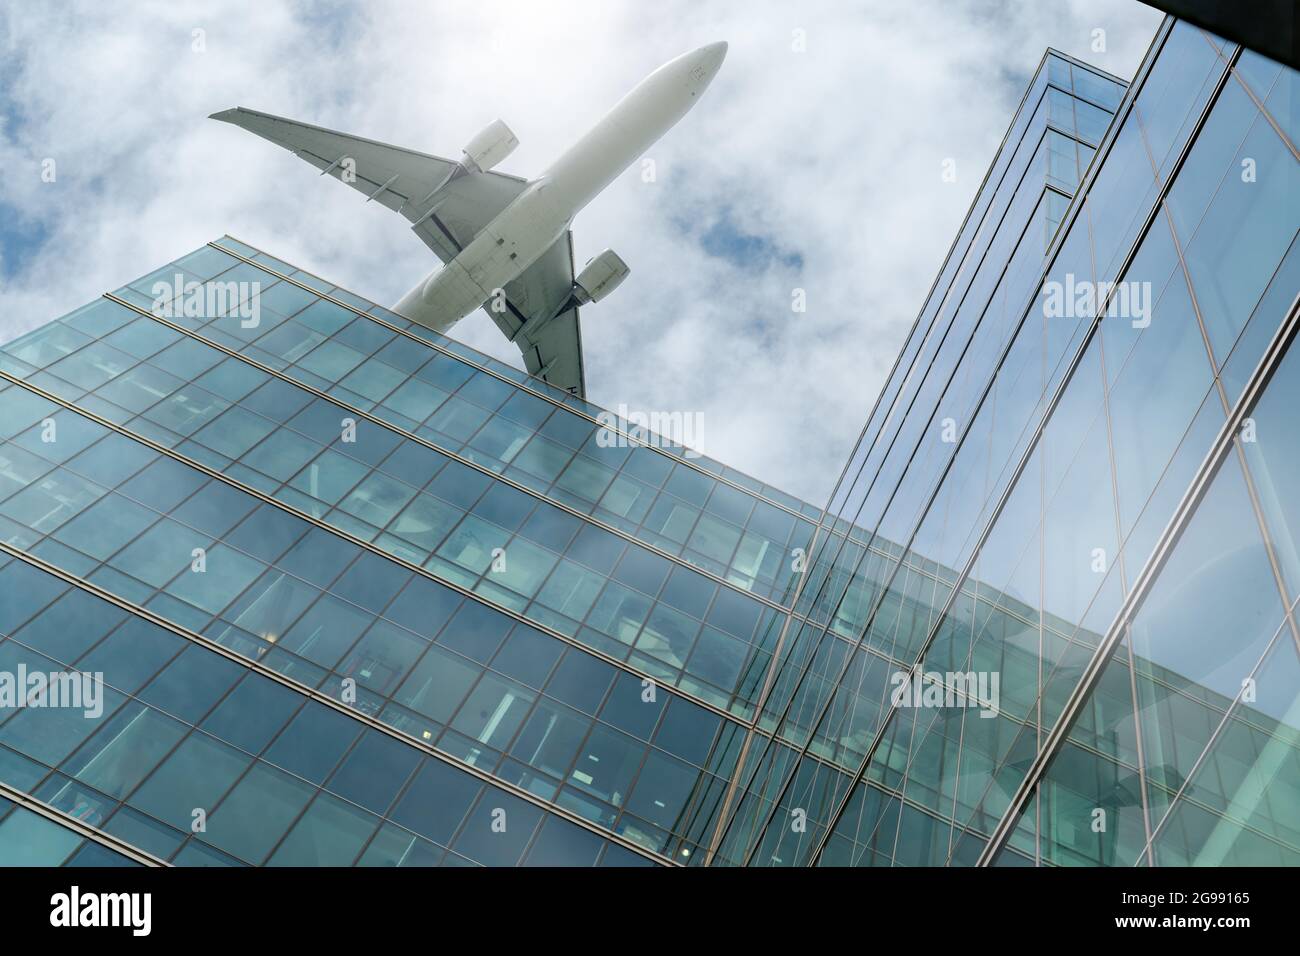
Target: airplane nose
<point x="696" y="68"/>
<point x="705" y="63"/>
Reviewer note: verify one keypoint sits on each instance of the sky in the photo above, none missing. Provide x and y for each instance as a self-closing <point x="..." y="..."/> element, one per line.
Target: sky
<point x="813" y="162"/>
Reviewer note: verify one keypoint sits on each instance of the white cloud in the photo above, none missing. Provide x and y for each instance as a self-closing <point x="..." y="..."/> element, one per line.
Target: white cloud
<point x="830" y="157"/>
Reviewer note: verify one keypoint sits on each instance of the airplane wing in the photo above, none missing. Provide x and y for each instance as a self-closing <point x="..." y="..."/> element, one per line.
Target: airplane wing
<point x="447" y="207"/>
<point x="552" y="349"/>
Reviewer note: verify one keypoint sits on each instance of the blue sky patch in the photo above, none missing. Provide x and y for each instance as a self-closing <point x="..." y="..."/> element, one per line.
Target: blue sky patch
<point x="725" y="239"/>
<point x="21" y="239"/>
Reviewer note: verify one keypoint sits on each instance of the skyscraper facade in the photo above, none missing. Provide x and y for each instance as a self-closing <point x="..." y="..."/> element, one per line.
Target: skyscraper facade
<point x="288" y="580"/>
<point x="1049" y="616"/>
<point x="305" y="542"/>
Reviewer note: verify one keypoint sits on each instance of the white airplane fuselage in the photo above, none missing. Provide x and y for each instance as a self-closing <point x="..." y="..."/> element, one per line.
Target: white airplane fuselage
<point x="539" y="215"/>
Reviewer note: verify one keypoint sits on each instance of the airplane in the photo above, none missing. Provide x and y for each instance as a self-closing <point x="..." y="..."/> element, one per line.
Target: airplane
<point x="505" y="240"/>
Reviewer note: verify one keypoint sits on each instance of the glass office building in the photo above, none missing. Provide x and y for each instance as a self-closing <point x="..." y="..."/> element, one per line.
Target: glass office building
<point x="1089" y="509"/>
<point x="359" y="594"/>
<point x="346" y="592"/>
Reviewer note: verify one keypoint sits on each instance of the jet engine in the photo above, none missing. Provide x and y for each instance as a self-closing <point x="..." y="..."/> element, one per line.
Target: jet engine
<point x="491" y="145"/>
<point x="599" y="277"/>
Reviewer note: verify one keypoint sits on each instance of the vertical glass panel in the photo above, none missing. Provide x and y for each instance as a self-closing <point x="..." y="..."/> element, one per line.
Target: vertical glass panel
<point x="1273" y="457"/>
<point x="1246" y="231"/>
<point x="1159" y="388"/>
<point x="1242" y="804"/>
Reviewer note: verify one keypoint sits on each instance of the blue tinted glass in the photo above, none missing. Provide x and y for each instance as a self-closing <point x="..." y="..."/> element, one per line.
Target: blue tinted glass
<point x="374" y="771"/>
<point x="314" y="742"/>
<point x="436" y="801"/>
<point x="253" y="713"/>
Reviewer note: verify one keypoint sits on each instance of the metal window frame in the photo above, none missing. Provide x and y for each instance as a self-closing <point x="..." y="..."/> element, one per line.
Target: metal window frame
<point x="94" y="834"/>
<point x="1072" y="214"/>
<point x="313" y="694"/>
<point x="677" y="560"/>
<point x="1223" y="444"/>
